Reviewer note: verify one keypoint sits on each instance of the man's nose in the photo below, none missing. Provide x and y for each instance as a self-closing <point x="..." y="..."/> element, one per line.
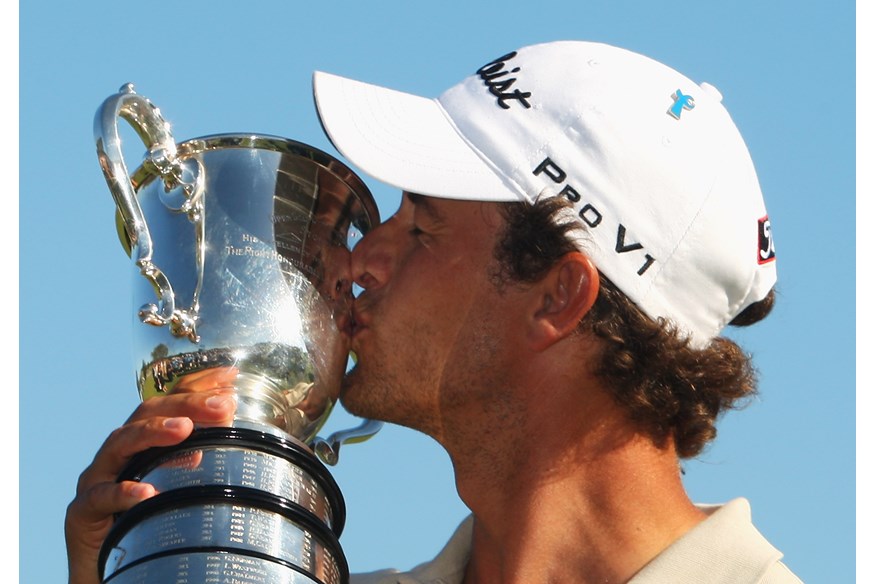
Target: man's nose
<point x="372" y="258"/>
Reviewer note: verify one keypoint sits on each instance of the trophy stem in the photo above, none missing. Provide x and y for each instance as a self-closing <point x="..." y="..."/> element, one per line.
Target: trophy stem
<point x="260" y="401"/>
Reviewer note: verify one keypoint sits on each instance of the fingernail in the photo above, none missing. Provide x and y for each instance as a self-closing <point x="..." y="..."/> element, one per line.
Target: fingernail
<point x="141" y="490"/>
<point x="175" y="423"/>
<point x="219" y="401"/>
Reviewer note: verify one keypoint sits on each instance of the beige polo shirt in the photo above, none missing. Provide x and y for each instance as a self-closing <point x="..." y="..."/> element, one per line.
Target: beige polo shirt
<point x="725" y="548"/>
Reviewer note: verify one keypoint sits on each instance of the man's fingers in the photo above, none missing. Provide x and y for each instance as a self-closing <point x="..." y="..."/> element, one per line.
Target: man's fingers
<point x="208" y="406"/>
<point x="127" y="441"/>
<point x="97" y="505"/>
<point x="89" y="519"/>
<point x="161" y="421"/>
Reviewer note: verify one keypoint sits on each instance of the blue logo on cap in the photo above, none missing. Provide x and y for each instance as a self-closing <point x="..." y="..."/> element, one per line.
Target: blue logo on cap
<point x="682" y="102"/>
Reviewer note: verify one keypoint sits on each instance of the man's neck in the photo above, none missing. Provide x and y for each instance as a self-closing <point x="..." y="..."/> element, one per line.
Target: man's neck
<point x="548" y="508"/>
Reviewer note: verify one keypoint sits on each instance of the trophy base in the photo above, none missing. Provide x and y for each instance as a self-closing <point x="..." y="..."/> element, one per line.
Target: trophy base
<point x="211" y="568"/>
<point x="254" y="506"/>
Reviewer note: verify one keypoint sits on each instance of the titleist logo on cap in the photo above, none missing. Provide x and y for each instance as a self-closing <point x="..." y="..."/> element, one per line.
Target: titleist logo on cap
<point x="495" y="76"/>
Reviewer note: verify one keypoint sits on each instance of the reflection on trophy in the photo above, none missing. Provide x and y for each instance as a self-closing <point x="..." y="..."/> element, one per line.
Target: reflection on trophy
<point x="243" y="247"/>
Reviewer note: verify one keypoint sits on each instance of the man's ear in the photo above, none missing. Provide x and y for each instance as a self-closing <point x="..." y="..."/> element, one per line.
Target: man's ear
<point x="561" y="299"/>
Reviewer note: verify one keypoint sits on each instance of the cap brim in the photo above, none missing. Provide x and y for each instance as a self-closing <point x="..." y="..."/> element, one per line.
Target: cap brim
<point x="404" y="140"/>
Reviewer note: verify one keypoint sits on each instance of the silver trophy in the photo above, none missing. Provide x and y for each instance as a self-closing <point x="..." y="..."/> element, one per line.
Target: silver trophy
<point x="243" y="247"/>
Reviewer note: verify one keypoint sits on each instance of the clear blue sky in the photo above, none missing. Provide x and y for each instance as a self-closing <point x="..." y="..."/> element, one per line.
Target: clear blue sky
<point x="787" y="73"/>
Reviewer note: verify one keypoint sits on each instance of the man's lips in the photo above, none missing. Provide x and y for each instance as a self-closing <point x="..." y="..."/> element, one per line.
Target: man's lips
<point x="360" y="320"/>
<point x="345" y="323"/>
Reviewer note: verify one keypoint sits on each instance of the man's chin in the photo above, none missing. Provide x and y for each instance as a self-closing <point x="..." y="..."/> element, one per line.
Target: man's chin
<point x="360" y="397"/>
<point x="350" y="389"/>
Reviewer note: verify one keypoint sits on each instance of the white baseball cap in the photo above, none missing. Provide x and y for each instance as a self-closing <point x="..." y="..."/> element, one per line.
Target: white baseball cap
<point x="656" y="169"/>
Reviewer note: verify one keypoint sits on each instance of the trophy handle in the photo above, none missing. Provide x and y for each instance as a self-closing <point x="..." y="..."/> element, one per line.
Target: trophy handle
<point x="328" y="449"/>
<point x="155" y="133"/>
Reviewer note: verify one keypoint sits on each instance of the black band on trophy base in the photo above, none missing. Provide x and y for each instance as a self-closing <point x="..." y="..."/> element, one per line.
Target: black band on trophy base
<point x="256" y="448"/>
<point x="256" y="527"/>
<point x="212" y="568"/>
<point x="216" y="567"/>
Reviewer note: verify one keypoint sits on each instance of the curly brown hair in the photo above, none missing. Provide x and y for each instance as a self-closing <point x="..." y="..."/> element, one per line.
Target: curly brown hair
<point x="670" y="389"/>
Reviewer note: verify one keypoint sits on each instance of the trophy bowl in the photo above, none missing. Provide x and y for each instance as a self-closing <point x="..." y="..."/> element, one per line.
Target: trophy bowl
<point x="243" y="247"/>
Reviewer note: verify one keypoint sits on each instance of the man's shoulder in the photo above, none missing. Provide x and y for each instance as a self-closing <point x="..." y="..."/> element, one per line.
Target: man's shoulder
<point x="725" y="547"/>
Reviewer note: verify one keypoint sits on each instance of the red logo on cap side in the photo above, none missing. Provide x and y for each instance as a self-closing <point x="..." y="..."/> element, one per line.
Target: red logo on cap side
<point x="766" y="247"/>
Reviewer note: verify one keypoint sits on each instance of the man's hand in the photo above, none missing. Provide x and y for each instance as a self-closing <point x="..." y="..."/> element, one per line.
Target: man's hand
<point x="204" y="398"/>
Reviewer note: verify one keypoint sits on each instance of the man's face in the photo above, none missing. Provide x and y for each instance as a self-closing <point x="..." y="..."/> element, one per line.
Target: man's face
<point x="431" y="328"/>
